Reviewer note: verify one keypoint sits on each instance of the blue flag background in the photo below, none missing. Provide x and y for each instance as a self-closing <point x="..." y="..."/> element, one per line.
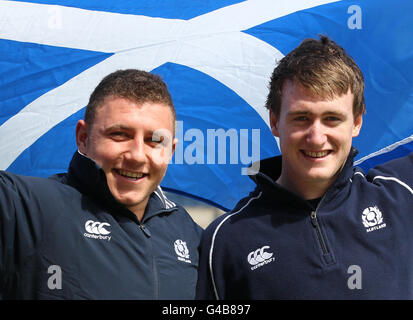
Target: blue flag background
<point x="215" y="56"/>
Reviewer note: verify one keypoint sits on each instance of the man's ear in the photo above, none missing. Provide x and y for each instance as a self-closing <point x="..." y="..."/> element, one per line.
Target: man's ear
<point x="174" y="142"/>
<point x="274" y="124"/>
<point x="81" y="136"/>
<point x="358" y="122"/>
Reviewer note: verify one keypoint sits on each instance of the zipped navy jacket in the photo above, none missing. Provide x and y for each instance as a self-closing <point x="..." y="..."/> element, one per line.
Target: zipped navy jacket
<point x="356" y="244"/>
<point x="67" y="238"/>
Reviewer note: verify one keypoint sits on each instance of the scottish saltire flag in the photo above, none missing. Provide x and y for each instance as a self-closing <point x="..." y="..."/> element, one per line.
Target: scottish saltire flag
<point x="216" y="57"/>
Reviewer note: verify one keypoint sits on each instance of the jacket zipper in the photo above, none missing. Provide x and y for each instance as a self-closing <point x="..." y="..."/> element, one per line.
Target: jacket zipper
<point x="316" y="225"/>
<point x="145" y="230"/>
<point x="155" y="275"/>
<point x="148" y="234"/>
<point x="154" y="268"/>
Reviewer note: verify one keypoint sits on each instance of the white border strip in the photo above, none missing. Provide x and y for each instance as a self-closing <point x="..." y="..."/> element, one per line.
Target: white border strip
<point x="213" y="241"/>
<point x="385" y="149"/>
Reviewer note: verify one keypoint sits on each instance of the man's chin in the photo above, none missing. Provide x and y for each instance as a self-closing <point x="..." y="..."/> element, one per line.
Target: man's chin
<point x="131" y="203"/>
<point x="321" y="176"/>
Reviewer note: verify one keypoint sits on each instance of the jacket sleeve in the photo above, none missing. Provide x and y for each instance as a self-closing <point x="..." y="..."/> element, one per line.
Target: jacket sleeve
<point x="7" y="228"/>
<point x="214" y="263"/>
<point x="205" y="288"/>
<point x="398" y="170"/>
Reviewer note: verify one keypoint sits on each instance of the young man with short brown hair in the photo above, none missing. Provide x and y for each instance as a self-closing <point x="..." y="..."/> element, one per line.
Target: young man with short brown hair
<point x="315" y="227"/>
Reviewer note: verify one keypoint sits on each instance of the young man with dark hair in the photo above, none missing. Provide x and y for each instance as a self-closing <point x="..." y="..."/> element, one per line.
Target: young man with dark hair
<point x="315" y="227"/>
<point x="105" y="229"/>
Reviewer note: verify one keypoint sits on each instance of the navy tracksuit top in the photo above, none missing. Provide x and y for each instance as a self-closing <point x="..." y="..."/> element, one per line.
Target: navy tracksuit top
<point x="68" y="238"/>
<point x="356" y="244"/>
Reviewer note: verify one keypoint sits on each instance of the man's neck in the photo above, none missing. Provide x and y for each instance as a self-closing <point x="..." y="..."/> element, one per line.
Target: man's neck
<point x="305" y="189"/>
<point x="139" y="210"/>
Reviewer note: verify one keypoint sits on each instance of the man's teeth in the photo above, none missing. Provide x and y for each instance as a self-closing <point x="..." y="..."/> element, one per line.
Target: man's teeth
<point x="315" y="154"/>
<point x="129" y="174"/>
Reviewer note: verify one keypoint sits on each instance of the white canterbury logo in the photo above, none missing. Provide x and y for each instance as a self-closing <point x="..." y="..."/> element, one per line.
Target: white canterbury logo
<point x="97" y="230"/>
<point x="97" y="227"/>
<point x="259" y="257"/>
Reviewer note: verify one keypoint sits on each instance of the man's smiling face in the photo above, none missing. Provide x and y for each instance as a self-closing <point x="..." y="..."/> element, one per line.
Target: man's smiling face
<point x="123" y="140"/>
<point x="315" y="138"/>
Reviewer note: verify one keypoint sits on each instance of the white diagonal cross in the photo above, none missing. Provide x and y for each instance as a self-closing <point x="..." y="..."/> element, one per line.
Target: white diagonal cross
<point x="212" y="43"/>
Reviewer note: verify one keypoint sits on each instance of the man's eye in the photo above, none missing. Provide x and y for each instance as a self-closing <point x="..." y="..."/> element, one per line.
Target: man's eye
<point x="301" y="118"/>
<point x="333" y="118"/>
<point x="118" y="134"/>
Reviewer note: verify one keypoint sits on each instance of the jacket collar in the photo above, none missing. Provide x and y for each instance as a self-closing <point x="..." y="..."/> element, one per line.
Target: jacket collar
<point x="270" y="171"/>
<point x="89" y="178"/>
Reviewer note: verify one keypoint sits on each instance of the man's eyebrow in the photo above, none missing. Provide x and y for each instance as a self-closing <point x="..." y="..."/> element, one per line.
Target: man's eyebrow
<point x="298" y="113"/>
<point x="305" y="112"/>
<point x="122" y="127"/>
<point x="335" y="113"/>
<point x="116" y="127"/>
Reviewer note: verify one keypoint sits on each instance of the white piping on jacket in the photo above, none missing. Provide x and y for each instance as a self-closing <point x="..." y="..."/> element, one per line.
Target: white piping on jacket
<point x="213" y="241"/>
<point x="396" y="180"/>
<point x="403" y="184"/>
<point x="168" y="204"/>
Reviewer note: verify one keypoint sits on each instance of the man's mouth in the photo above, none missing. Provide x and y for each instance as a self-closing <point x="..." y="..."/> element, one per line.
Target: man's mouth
<point x="316" y="154"/>
<point x="130" y="175"/>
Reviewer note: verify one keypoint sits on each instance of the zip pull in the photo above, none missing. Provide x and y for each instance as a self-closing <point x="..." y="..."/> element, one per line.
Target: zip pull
<point x="327" y="256"/>
<point x="145" y="230"/>
<point x="313" y="217"/>
<point x="314" y="222"/>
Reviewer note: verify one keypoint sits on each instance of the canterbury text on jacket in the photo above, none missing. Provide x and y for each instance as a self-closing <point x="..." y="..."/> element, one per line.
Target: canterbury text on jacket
<point x="357" y="243"/>
<point x="68" y="238"/>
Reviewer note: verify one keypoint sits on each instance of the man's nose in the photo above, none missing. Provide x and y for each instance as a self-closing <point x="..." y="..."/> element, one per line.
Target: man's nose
<point x="136" y="150"/>
<point x="316" y="134"/>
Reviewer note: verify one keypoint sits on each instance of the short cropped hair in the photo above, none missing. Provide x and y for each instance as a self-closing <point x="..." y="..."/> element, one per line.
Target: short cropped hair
<point x="132" y="84"/>
<point x="322" y="67"/>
